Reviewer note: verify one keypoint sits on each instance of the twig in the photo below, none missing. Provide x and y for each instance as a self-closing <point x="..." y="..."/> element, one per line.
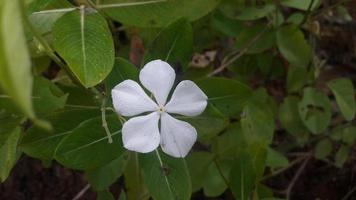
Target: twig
<point x="329" y="8"/>
<point x="296" y="177"/>
<point x="349" y="193"/>
<point x="307" y="14"/>
<point x="81" y="192"/>
<point x="242" y="51"/>
<point x="103" y="120"/>
<point x="274" y="173"/>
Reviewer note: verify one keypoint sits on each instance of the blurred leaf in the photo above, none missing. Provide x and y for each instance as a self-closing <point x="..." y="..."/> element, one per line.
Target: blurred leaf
<point x="47" y="97"/>
<point x="315" y="110"/>
<point x="210" y="123"/>
<point x="257" y="122"/>
<point x="297" y="78"/>
<point x="8" y="153"/>
<point x="293" y="46"/>
<point x="349" y="135"/>
<point x="344" y="93"/>
<point x="15" y="65"/>
<point x="105" y="195"/>
<point x="157" y="13"/>
<point x="341" y="155"/>
<point x="165" y="177"/>
<point x="87" y="147"/>
<point x="266" y="41"/>
<point x="102" y="177"/>
<point x="225" y="25"/>
<point x="323" y="148"/>
<point x="214" y="184"/>
<point x="276" y="159"/>
<point x="84" y="41"/>
<point x="242" y="177"/>
<point x="198" y="163"/>
<point x="289" y="116"/>
<point x="122" y="70"/>
<point x="7" y="124"/>
<point x="296" y="18"/>
<point x="227" y="95"/>
<point x="301" y="4"/>
<point x="236" y="10"/>
<point x="42" y="144"/>
<point x="173" y="44"/>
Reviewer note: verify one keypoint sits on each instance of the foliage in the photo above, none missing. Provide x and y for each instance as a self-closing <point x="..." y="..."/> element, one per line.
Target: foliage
<point x="59" y="64"/>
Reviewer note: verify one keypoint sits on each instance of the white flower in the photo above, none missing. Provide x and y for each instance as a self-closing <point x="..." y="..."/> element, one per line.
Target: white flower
<point x="142" y="133"/>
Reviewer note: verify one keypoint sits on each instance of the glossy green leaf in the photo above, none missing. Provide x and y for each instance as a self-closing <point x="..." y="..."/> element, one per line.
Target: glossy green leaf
<point x="257" y="122"/>
<point x="15" y="65"/>
<point x="173" y="44"/>
<point x="122" y="70"/>
<point x="315" y="110"/>
<point x="341" y="155"/>
<point x="293" y="46"/>
<point x="102" y="177"/>
<point x="104" y="195"/>
<point x="84" y="41"/>
<point x="156" y="13"/>
<point x="289" y="116"/>
<point x="165" y="177"/>
<point x="87" y="146"/>
<point x="227" y="95"/>
<point x="210" y="123"/>
<point x="242" y="177"/>
<point x="198" y="163"/>
<point x="344" y="93"/>
<point x="301" y="4"/>
<point x="8" y="153"/>
<point x="47" y="96"/>
<point x="276" y="159"/>
<point x="323" y="148"/>
<point x="42" y="144"/>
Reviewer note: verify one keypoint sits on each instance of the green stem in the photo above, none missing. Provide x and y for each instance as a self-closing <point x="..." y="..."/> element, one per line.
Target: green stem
<point x="104" y="123"/>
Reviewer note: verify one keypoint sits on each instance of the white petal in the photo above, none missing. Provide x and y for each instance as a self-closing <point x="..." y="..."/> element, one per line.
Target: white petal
<point x="158" y="77"/>
<point x="129" y="99"/>
<point x="141" y="133"/>
<point x="177" y="137"/>
<point x="187" y="99"/>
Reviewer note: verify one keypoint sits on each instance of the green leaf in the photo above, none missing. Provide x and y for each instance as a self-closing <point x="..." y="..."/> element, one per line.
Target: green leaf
<point x="87" y="146"/>
<point x="47" y="96"/>
<point x="301" y="4"/>
<point x="214" y="184"/>
<point x="15" y="64"/>
<point x="198" y="163"/>
<point x="257" y="122"/>
<point x="275" y="159"/>
<point x="242" y="177"/>
<point x="341" y="155"/>
<point x="315" y="110"/>
<point x="122" y="70"/>
<point x="289" y="116"/>
<point x="173" y="44"/>
<point x="293" y="46"/>
<point x="42" y="144"/>
<point x="226" y="95"/>
<point x="227" y="26"/>
<point x="210" y="123"/>
<point x="266" y="41"/>
<point x="323" y="148"/>
<point x="349" y="135"/>
<point x="8" y="123"/>
<point x="236" y="10"/>
<point x="84" y="41"/>
<point x="102" y="177"/>
<point x="344" y="91"/>
<point x="156" y="13"/>
<point x="105" y="195"/>
<point x="297" y="78"/>
<point x="8" y="153"/>
<point x="165" y="177"/>
<point x="227" y="144"/>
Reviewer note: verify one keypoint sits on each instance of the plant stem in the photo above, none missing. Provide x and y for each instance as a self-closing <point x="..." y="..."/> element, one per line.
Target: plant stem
<point x="307" y="14"/>
<point x="103" y="119"/>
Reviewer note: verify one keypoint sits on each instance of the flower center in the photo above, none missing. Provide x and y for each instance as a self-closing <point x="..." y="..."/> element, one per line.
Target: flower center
<point x="161" y="109"/>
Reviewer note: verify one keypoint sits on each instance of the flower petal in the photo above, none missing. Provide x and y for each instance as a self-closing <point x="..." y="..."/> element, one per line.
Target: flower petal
<point x="187" y="99"/>
<point x="158" y="77"/>
<point x="177" y="137"/>
<point x="141" y="133"/>
<point x="129" y="99"/>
